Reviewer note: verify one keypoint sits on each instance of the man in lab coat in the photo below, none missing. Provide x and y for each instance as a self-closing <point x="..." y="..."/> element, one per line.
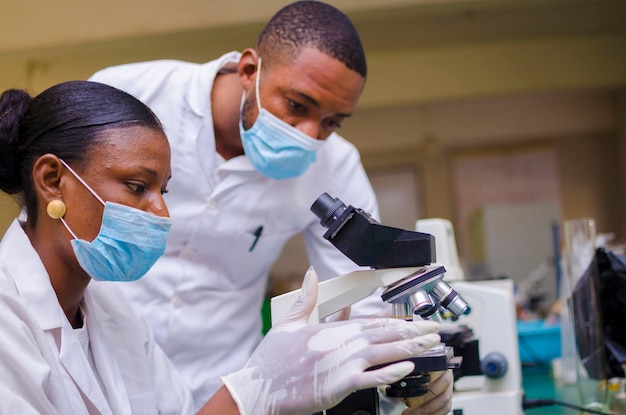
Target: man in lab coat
<point x="253" y="145"/>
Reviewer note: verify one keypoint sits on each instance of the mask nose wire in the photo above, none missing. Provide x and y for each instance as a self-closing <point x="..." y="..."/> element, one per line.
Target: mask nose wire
<point x="87" y="187"/>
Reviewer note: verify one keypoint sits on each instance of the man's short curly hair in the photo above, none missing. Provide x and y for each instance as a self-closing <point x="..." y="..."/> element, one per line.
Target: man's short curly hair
<point x="314" y="24"/>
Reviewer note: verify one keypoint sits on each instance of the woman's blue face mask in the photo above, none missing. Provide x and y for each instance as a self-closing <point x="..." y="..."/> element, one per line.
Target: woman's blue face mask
<point x="130" y="241"/>
<point x="276" y="149"/>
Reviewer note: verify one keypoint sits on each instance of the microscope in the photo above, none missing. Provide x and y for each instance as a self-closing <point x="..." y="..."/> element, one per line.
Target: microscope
<point x="400" y="263"/>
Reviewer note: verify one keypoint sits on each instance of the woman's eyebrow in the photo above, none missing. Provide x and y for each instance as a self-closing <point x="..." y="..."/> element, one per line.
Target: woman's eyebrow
<point x="149" y="170"/>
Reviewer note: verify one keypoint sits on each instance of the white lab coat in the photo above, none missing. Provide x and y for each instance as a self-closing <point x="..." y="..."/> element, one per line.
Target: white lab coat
<point x="204" y="296"/>
<point x="44" y="370"/>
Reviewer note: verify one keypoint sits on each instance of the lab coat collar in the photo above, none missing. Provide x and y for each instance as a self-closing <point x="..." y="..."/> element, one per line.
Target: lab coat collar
<point x="35" y="286"/>
<point x="198" y="97"/>
<point x="236" y="172"/>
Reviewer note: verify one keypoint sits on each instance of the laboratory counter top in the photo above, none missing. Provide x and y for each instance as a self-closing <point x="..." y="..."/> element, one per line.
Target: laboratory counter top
<point x="540" y="385"/>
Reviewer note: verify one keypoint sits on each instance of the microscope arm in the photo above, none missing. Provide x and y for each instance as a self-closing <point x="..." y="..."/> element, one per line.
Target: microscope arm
<point x="337" y="293"/>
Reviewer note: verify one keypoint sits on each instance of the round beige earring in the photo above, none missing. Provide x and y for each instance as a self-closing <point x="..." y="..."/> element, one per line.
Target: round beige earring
<point x="56" y="209"/>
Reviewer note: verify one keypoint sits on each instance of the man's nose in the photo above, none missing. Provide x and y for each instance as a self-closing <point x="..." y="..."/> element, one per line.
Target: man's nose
<point x="310" y="128"/>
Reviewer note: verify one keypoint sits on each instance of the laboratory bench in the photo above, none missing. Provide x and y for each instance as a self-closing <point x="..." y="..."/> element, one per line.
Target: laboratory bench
<point x="539" y="384"/>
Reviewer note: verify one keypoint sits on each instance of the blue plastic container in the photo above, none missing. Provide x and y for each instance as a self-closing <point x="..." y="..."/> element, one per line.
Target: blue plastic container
<point x="538" y="343"/>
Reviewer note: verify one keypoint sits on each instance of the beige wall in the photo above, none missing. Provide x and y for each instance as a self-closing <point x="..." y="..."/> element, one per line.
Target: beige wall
<point x="591" y="185"/>
<point x="8" y="211"/>
<point x="581" y="125"/>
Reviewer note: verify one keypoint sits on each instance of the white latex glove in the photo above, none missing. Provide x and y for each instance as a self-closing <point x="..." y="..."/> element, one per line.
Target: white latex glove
<point x="300" y="368"/>
<point x="341" y="315"/>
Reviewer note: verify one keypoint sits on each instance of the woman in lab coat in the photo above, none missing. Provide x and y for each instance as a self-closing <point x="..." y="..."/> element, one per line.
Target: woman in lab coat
<point x="89" y="165"/>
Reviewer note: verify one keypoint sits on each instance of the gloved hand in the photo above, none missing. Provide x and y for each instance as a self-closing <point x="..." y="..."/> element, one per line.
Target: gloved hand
<point x="300" y="368"/>
<point x="438" y="399"/>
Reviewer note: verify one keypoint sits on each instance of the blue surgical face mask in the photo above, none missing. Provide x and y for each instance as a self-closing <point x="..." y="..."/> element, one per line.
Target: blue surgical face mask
<point x="129" y="242"/>
<point x="276" y="149"/>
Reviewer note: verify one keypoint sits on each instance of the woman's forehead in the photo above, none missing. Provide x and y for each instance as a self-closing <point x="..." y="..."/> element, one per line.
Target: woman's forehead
<point x="131" y="145"/>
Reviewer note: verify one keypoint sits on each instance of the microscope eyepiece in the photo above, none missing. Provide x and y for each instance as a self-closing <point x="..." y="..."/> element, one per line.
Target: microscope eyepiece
<point x="328" y="209"/>
<point x="368" y="243"/>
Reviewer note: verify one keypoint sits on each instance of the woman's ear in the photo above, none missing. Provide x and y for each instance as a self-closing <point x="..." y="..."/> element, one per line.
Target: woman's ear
<point x="247" y="67"/>
<point x="47" y="173"/>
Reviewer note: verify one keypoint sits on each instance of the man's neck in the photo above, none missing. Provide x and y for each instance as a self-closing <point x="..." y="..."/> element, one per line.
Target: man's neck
<point x="225" y="106"/>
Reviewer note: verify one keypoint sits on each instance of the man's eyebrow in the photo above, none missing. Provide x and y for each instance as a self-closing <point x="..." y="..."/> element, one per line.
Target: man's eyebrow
<point x="316" y="104"/>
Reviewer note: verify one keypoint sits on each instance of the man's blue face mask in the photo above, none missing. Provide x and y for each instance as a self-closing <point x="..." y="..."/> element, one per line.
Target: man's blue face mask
<point x="129" y="242"/>
<point x="276" y="149"/>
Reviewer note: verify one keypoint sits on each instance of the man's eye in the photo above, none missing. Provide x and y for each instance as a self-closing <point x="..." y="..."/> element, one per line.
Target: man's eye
<point x="136" y="187"/>
<point x="296" y="107"/>
<point x="334" y="125"/>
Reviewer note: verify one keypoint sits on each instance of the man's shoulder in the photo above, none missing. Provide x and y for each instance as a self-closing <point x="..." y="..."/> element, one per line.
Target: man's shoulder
<point x="136" y="71"/>
<point x="153" y="70"/>
<point x="165" y="81"/>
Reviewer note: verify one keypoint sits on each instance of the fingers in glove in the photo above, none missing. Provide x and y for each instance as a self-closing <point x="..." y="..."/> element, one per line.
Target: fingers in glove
<point x="381" y="353"/>
<point x="399" y="351"/>
<point x="303" y="307"/>
<point x="385" y="375"/>
<point x="390" y="329"/>
<point x="363" y="333"/>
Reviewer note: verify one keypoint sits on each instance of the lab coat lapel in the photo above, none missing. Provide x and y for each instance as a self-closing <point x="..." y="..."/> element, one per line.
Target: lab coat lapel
<point x="77" y="366"/>
<point x="104" y="358"/>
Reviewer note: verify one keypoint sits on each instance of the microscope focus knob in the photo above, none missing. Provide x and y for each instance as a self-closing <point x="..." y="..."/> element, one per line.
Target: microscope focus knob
<point x="494" y="365"/>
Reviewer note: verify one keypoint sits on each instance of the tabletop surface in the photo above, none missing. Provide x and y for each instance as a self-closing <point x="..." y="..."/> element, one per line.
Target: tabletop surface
<point x="540" y="385"/>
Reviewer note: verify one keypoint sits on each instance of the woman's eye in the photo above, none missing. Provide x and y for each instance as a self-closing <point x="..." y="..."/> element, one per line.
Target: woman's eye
<point x="136" y="187"/>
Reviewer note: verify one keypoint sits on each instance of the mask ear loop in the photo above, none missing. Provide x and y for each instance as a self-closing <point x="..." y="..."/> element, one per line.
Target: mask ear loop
<point x="243" y="96"/>
<point x="87" y="187"/>
<point x="256" y="86"/>
<point x="68" y="228"/>
<point x="83" y="182"/>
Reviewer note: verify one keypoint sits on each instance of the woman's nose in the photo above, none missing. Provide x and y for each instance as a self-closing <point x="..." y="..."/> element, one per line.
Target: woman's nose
<point x="159" y="207"/>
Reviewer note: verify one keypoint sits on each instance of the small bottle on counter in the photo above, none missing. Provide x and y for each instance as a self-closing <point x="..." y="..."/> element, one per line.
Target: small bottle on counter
<point x="617" y="396"/>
